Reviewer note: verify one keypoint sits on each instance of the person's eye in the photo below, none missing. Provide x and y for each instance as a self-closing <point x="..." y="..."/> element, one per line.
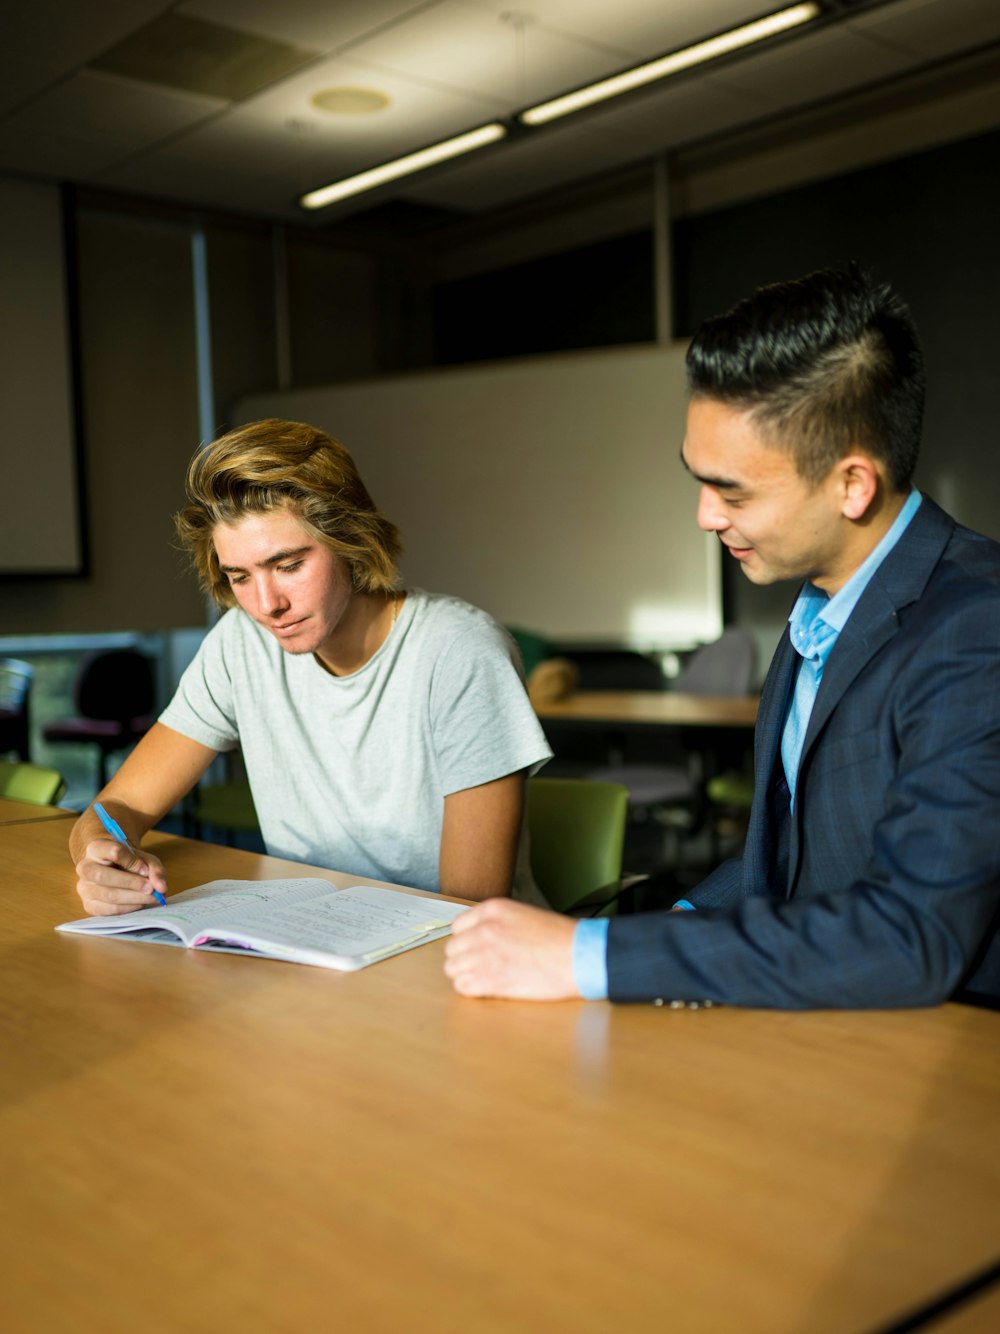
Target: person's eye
<point x="235" y="579"/>
<point x="291" y="567"/>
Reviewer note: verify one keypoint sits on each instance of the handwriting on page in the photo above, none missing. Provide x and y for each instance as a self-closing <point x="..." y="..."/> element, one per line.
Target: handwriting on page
<point x="344" y="925"/>
<point x="207" y="902"/>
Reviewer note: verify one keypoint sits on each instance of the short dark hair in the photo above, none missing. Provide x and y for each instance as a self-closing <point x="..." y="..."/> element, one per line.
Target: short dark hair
<point x="273" y="465"/>
<point x="823" y="364"/>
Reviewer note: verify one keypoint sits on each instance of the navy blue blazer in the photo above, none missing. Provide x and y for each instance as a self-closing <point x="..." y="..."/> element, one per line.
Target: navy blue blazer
<point x="886" y="888"/>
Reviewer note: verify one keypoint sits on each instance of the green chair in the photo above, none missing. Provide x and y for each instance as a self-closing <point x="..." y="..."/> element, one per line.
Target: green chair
<point x="227" y="807"/>
<point x="533" y="648"/>
<point x="577" y="832"/>
<point x="31" y="783"/>
<point x="730" y="796"/>
<point x="732" y="789"/>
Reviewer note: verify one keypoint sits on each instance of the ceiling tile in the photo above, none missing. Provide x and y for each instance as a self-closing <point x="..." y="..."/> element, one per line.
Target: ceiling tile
<point x="815" y="66"/>
<point x="278" y="138"/>
<point x="933" y="28"/>
<point x="638" y="28"/>
<point x="524" y="167"/>
<point x="416" y="114"/>
<point x="324" y="25"/>
<point x="461" y="46"/>
<point x="196" y="56"/>
<point x="677" y="113"/>
<point x="447" y="66"/>
<point x="93" y="120"/>
<point x="47" y="39"/>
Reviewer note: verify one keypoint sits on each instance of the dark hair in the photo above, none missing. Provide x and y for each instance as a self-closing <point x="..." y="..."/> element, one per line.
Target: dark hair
<point x="274" y="464"/>
<point x="823" y="364"/>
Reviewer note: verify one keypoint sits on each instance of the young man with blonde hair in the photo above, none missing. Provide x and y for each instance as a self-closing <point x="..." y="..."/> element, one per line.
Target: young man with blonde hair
<point x="385" y="732"/>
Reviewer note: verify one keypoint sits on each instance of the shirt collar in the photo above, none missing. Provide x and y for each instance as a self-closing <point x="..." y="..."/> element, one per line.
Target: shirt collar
<point x="816" y="619"/>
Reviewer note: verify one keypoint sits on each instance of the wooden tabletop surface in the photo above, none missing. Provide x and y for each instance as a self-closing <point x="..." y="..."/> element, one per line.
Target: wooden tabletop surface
<point x="26" y="812"/>
<point x="206" y="1142"/>
<point x="653" y="707"/>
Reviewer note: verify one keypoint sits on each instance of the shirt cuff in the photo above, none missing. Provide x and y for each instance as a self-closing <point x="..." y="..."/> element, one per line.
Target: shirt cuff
<point x="590" y="958"/>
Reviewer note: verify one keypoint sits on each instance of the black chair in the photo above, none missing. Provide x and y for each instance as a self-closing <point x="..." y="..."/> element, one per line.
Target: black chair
<point x="15" y="697"/>
<point x="579" y="747"/>
<point x="615" y="669"/>
<point x="114" y="697"/>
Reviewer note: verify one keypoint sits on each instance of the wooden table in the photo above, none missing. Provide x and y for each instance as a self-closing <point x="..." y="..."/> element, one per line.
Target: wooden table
<point x="205" y="1142"/>
<point x="652" y="708"/>
<point x="26" y="812"/>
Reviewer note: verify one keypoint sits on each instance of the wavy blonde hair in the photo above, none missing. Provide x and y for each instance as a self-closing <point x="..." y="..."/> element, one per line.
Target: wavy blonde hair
<point x="272" y="465"/>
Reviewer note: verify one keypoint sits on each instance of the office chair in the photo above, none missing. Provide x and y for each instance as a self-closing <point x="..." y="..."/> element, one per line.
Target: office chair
<point x="533" y="648"/>
<point x="615" y="669"/>
<point x="31" y="783"/>
<point x="674" y="793"/>
<point x="227" y="807"/>
<point x="15" y="697"/>
<point x="723" y="667"/>
<point x="580" y="747"/>
<point x="729" y="797"/>
<point x="114" y="698"/>
<point x="223" y="807"/>
<point x="577" y="832"/>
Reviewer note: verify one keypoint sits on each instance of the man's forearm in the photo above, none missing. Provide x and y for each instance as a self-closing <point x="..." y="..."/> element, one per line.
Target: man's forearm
<point x="88" y="826"/>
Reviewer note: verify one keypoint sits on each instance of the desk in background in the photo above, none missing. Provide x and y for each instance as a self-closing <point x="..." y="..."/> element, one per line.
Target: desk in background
<point x="594" y="729"/>
<point x="651" y="708"/>
<point x="204" y="1142"/>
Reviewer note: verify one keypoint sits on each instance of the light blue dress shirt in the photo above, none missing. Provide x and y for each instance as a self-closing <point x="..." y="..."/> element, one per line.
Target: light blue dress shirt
<point x="814" y="624"/>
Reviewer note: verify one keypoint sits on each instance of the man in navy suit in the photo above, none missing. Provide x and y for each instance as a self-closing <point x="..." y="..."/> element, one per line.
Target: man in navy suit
<point x="871" y="871"/>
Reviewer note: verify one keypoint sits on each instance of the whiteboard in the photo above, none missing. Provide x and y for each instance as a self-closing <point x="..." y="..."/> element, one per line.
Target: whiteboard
<point x="40" y="530"/>
<point x="548" y="491"/>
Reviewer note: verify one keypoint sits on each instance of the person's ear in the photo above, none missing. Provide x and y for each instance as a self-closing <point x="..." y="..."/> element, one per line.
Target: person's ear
<point x="859" y="482"/>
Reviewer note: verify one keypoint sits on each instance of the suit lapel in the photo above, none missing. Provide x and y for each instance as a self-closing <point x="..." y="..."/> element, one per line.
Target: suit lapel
<point x="771" y="714"/>
<point x="899" y="581"/>
<point x="759" y="849"/>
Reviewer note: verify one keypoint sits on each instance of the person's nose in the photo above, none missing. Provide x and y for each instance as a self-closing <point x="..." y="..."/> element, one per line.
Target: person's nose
<point x="271" y="599"/>
<point x="711" y="513"/>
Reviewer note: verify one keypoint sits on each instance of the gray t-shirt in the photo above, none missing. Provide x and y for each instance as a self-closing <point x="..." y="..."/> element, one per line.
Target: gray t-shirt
<point x="351" y="772"/>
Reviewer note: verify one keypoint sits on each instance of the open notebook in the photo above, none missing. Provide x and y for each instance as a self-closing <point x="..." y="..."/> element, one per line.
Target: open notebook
<point x="300" y="921"/>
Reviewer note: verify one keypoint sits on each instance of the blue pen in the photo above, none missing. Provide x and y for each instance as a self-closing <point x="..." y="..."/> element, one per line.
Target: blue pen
<point x="116" y="831"/>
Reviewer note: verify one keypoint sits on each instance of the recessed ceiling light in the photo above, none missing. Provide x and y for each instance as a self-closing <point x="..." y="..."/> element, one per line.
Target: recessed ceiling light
<point x="350" y="101"/>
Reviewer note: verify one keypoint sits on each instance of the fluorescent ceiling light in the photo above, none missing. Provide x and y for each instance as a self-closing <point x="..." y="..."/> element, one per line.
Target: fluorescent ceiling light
<point x="403" y="166"/>
<point x="710" y="49"/>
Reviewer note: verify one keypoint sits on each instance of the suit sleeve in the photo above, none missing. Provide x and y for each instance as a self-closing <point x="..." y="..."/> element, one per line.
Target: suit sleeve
<point x="917" y="920"/>
<point x="721" y="889"/>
